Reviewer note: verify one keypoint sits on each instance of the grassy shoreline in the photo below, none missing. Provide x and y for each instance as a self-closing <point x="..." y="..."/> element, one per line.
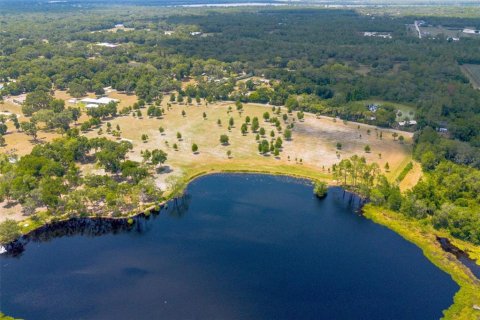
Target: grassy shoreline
<point x="424" y="236"/>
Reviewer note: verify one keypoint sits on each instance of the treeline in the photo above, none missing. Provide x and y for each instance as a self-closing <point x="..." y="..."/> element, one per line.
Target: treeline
<point x="448" y="196"/>
<point x="320" y="55"/>
<point x="323" y="53"/>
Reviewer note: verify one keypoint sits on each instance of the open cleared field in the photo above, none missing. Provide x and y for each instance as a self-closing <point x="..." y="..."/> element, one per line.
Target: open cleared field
<point x="314" y="141"/>
<point x="21" y="144"/>
<point x="310" y="153"/>
<point x="472" y="71"/>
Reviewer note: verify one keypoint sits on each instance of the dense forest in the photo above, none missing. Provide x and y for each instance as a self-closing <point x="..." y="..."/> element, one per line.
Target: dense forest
<point x="315" y="60"/>
<point x="318" y="53"/>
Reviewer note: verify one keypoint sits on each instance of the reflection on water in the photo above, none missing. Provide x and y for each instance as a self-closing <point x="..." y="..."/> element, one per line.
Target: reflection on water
<point x="96" y="227"/>
<point x="236" y="247"/>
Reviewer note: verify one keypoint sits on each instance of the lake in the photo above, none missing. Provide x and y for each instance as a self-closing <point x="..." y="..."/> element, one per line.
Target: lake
<point x="237" y="246"/>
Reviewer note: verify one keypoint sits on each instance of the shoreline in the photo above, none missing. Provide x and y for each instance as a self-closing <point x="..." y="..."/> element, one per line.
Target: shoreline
<point x="422" y="236"/>
<point x="31" y="224"/>
<point x="425" y="237"/>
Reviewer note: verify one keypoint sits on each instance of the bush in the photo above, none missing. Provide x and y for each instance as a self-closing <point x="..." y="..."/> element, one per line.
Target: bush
<point x="320" y="189"/>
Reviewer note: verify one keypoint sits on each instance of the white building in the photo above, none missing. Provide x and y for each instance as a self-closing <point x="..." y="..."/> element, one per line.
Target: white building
<point x="377" y="34"/>
<point x="107" y="45"/>
<point x="471" y="31"/>
<point x="93" y="103"/>
<point x="407" y="123"/>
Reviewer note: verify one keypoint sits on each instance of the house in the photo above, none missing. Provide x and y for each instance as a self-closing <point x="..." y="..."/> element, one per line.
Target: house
<point x="168" y="33"/>
<point x="119" y="26"/>
<point x="73" y="100"/>
<point x="93" y="103"/>
<point x="407" y="123"/>
<point x="442" y="130"/>
<point x="195" y="33"/>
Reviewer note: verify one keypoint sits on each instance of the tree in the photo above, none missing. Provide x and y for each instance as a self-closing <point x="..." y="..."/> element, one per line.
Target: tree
<point x="179" y="136"/>
<point x="401" y="139"/>
<point x="9" y="231"/>
<point x="229" y="153"/>
<point x="224" y="139"/>
<point x="320" y="189"/>
<point x="263" y="147"/>
<point x="144" y="138"/>
<point x="255" y="124"/>
<point x="387" y="167"/>
<point x="3" y="128"/>
<point x="287" y="134"/>
<point x="239" y="105"/>
<point x="394" y="135"/>
<point x="133" y="170"/>
<point x="184" y="113"/>
<point x="339" y="146"/>
<point x="278" y="143"/>
<point x="146" y="155"/>
<point x="30" y="128"/>
<point x="159" y="156"/>
<point x="300" y="115"/>
<point x="262" y="132"/>
<point x="231" y="122"/>
<point x="367" y="148"/>
<point x="161" y="130"/>
<point x="244" y="129"/>
<point x="276" y="152"/>
<point x="266" y="116"/>
<point x="194" y="148"/>
<point x="35" y="101"/>
<point x="2" y="141"/>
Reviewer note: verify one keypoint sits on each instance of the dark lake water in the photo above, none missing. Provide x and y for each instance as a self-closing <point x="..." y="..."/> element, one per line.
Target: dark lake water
<point x="238" y="247"/>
